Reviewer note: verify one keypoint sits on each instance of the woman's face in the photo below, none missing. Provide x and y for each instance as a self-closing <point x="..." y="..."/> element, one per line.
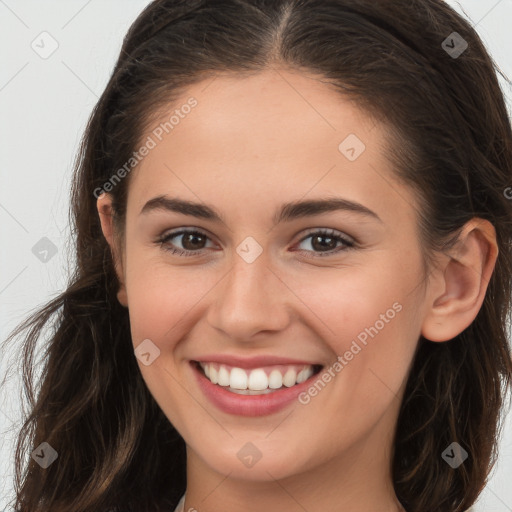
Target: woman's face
<point x="270" y="279"/>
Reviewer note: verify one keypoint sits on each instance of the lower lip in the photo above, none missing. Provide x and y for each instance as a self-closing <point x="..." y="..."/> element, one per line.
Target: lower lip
<point x="249" y="405"/>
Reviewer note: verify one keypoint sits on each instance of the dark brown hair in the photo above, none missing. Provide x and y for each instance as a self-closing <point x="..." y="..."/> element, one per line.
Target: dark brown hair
<point x="450" y="141"/>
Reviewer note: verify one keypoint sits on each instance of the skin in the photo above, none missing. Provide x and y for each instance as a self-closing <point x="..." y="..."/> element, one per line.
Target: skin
<point x="250" y="145"/>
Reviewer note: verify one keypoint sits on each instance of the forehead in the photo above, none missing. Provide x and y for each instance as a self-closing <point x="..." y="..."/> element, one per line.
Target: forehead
<point x="277" y="107"/>
<point x="261" y="137"/>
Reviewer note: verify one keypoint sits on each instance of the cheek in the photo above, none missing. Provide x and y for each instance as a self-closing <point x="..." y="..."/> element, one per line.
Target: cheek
<point x="369" y="319"/>
<point x="160" y="296"/>
<point x="355" y="302"/>
<point x="373" y="343"/>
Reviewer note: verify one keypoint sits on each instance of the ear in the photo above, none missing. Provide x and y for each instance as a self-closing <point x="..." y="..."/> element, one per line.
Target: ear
<point x="105" y="211"/>
<point x="459" y="285"/>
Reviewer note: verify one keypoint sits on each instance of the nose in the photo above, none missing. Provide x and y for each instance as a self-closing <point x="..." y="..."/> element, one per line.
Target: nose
<point x="251" y="299"/>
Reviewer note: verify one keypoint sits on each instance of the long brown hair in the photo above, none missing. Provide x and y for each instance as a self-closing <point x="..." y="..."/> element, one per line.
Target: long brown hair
<point x="452" y="144"/>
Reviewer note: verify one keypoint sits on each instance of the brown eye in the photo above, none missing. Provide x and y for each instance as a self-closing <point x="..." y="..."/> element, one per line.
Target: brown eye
<point x="193" y="242"/>
<point x="325" y="242"/>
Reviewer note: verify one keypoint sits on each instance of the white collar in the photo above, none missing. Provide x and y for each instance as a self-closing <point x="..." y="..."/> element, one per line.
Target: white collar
<point x="181" y="505"/>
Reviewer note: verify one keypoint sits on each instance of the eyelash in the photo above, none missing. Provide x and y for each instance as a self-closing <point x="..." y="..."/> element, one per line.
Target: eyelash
<point x="163" y="240"/>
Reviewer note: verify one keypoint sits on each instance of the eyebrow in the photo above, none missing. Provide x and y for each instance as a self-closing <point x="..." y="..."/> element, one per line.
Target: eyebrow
<point x="288" y="211"/>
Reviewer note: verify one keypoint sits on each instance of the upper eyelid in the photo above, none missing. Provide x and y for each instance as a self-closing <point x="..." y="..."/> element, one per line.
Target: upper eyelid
<point x="184" y="230"/>
<point x="327" y="232"/>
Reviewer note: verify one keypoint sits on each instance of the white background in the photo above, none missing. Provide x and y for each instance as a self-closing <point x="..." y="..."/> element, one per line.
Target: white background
<point x="44" y="106"/>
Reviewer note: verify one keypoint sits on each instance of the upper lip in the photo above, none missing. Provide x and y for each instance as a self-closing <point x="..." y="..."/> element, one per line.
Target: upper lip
<point x="252" y="362"/>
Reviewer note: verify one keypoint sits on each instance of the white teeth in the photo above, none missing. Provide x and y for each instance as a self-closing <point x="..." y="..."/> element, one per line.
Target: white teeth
<point x="275" y="380"/>
<point x="255" y="381"/>
<point x="238" y="379"/>
<point x="258" y="380"/>
<point x="223" y="376"/>
<point x="303" y="375"/>
<point x="290" y="377"/>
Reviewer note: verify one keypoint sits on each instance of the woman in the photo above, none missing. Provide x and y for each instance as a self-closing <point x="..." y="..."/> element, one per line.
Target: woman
<point x="293" y="268"/>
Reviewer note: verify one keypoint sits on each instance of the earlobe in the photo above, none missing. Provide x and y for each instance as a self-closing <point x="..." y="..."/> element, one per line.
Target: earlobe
<point x="121" y="295"/>
<point x="104" y="206"/>
<point x="464" y="278"/>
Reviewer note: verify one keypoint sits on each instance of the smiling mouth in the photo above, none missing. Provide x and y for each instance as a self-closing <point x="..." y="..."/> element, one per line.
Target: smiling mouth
<point x="257" y="381"/>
